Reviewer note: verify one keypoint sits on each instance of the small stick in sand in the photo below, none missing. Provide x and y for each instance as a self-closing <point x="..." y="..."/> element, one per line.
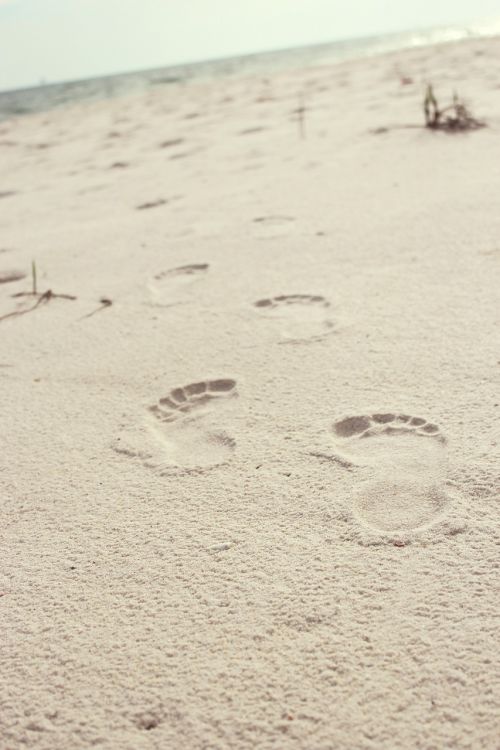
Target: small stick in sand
<point x="42" y="298"/>
<point x="105" y="302"/>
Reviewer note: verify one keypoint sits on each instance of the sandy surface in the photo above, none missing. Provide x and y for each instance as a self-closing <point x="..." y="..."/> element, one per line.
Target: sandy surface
<point x="251" y="504"/>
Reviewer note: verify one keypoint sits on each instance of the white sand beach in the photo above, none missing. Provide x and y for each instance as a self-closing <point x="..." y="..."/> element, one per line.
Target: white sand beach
<point x="252" y="503"/>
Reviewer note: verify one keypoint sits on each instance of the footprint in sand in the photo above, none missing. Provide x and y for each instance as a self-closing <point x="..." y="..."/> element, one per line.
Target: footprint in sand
<point x="404" y="458"/>
<point x="185" y="429"/>
<point x="8" y="276"/>
<point x="167" y="285"/>
<point x="267" y="227"/>
<point x="187" y="422"/>
<point x="298" y="318"/>
<point x="151" y="204"/>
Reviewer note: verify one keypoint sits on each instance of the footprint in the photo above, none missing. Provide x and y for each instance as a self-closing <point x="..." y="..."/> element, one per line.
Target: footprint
<point x="404" y="460"/>
<point x="183" y="271"/>
<point x="187" y="421"/>
<point x="267" y="227"/>
<point x="299" y="318"/>
<point x="13" y="275"/>
<point x="188" y="427"/>
<point x="172" y="142"/>
<point x="151" y="204"/>
<point x="251" y="131"/>
<point x="174" y="281"/>
<point x="365" y="439"/>
<point x="403" y="504"/>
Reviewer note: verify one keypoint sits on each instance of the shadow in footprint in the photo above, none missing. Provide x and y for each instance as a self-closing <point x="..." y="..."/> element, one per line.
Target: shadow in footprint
<point x="298" y="318"/>
<point x="404" y="461"/>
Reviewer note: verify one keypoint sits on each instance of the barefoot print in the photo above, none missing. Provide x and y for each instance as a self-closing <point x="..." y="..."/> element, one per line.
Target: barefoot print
<point x="151" y="204"/>
<point x="168" y="285"/>
<point x="188" y="421"/>
<point x="267" y="227"/>
<point x="298" y="318"/>
<point x="188" y="427"/>
<point x="401" y="504"/>
<point x="172" y="142"/>
<point x="183" y="272"/>
<point x="7" y="276"/>
<point x="251" y="131"/>
<point x="404" y="460"/>
<point x="364" y="439"/>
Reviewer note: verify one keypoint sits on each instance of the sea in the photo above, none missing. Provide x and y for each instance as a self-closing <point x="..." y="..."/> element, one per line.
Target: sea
<point x="47" y="96"/>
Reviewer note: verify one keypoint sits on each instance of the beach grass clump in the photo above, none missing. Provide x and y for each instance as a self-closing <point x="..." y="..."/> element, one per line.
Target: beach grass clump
<point x="453" y="118"/>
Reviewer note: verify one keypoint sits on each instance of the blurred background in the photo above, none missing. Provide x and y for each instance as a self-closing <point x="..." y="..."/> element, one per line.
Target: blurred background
<point x="48" y="41"/>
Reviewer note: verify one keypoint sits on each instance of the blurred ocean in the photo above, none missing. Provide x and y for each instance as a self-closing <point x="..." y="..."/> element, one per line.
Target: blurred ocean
<point x="48" y="96"/>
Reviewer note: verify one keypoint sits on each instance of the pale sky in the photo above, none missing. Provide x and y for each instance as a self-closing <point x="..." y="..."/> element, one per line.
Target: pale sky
<point x="59" y="40"/>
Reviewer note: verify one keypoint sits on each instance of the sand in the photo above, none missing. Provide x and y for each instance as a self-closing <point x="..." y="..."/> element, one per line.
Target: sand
<point x="251" y="502"/>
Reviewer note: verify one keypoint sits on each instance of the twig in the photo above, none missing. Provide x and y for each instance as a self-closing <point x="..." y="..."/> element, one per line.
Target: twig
<point x="104" y="303"/>
<point x="42" y="298"/>
<point x="49" y="294"/>
<point x="460" y="117"/>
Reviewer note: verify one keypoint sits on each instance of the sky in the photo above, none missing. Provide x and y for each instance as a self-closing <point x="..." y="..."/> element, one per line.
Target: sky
<point x="60" y="40"/>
